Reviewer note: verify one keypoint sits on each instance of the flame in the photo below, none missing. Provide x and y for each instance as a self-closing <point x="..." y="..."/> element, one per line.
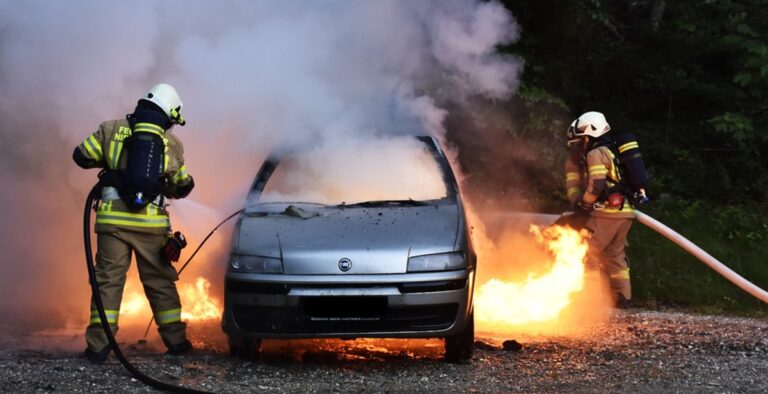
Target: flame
<point x="196" y="303"/>
<point x="134" y="303"/>
<point x="504" y="306"/>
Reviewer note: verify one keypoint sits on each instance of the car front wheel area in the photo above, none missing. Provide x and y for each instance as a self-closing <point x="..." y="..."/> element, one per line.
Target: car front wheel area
<point x="459" y="347"/>
<point x="246" y="348"/>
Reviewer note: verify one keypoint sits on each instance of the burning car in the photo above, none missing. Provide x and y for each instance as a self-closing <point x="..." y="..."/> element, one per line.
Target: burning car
<point x="317" y="254"/>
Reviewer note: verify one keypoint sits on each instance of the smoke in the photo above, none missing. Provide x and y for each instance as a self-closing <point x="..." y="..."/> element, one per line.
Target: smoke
<point x="254" y="77"/>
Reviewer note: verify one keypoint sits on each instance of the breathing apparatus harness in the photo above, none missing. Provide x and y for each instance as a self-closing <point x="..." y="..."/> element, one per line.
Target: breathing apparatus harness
<point x="633" y="177"/>
<point x="138" y="185"/>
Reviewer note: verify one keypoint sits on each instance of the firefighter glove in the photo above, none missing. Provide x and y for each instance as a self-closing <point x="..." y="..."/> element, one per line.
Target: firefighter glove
<point x="174" y="246"/>
<point x="581" y="207"/>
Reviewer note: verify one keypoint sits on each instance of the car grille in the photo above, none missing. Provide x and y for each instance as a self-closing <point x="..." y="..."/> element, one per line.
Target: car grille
<point x="239" y="286"/>
<point x="354" y="315"/>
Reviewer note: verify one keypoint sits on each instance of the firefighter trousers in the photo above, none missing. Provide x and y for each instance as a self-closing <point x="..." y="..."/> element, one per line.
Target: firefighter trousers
<point x="158" y="277"/>
<point x="607" y="251"/>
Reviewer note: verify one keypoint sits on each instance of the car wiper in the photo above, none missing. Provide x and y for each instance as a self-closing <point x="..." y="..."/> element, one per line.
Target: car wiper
<point x="384" y="203"/>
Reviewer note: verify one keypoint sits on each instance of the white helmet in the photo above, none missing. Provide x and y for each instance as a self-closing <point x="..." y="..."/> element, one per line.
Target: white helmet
<point x="164" y="96"/>
<point x="591" y="124"/>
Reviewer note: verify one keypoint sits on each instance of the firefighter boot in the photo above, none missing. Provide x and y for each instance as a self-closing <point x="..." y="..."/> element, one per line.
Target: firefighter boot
<point x="99" y="357"/>
<point x="181" y="348"/>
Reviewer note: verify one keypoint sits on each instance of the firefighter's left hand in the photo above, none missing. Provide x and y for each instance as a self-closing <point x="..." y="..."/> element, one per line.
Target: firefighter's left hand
<point x="581" y="207"/>
<point x="173" y="247"/>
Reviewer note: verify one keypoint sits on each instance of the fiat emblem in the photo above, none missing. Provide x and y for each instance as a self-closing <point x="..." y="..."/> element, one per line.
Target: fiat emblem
<point x="345" y="264"/>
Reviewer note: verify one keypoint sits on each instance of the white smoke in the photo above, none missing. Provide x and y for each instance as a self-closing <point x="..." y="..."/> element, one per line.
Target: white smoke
<point x="253" y="75"/>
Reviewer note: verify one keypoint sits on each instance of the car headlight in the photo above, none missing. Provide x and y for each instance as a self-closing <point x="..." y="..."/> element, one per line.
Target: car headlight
<point x="255" y="264"/>
<point x="437" y="262"/>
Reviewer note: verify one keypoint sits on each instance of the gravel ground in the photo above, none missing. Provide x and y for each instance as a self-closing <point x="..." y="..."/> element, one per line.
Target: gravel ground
<point x="635" y="350"/>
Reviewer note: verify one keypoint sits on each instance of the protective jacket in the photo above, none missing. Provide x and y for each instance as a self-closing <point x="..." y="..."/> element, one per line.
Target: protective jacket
<point x="588" y="180"/>
<point x="104" y="148"/>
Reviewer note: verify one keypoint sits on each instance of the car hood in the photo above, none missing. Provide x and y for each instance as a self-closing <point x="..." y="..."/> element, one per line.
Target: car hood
<point x="312" y="240"/>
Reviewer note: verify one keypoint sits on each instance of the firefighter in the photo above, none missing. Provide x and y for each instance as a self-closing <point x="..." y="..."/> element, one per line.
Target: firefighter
<point x="123" y="229"/>
<point x="592" y="185"/>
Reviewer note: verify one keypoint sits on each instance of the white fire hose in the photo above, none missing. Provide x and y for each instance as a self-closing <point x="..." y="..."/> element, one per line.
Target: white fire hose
<point x="705" y="257"/>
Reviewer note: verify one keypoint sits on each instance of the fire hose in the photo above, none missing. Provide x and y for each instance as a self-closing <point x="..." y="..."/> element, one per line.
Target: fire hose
<point x="149" y="323"/>
<point x="705" y="257"/>
<point x="92" y="199"/>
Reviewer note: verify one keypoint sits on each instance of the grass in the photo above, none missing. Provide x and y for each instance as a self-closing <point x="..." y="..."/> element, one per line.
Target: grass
<point x="663" y="273"/>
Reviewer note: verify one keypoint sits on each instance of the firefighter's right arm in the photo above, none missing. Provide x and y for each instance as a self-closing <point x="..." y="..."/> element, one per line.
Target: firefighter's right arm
<point x="89" y="154"/>
<point x="180" y="182"/>
<point x="597" y="166"/>
<point x="572" y="181"/>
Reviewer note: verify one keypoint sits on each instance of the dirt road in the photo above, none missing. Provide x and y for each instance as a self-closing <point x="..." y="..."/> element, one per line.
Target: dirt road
<point x="636" y="350"/>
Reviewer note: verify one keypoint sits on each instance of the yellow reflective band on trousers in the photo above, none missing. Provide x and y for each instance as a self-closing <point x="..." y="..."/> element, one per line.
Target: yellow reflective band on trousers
<point x="572" y="176"/>
<point x="93" y="147"/>
<point x="574" y="190"/>
<point x="110" y="313"/>
<point x="169" y="316"/>
<point x="623" y="274"/>
<point x="628" y="146"/>
<point x="105" y="215"/>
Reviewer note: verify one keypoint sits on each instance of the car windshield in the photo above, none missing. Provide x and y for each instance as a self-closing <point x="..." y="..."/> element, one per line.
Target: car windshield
<point x="395" y="171"/>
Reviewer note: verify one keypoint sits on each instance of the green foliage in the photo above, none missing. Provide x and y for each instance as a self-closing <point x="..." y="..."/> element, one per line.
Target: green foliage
<point x="691" y="83"/>
<point x="737" y="126"/>
<point x="735" y="235"/>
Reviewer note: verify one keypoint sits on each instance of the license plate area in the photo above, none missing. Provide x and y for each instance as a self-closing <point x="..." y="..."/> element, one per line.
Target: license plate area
<point x="348" y="308"/>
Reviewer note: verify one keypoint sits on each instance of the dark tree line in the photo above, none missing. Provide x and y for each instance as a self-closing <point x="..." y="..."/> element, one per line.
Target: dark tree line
<point x="688" y="77"/>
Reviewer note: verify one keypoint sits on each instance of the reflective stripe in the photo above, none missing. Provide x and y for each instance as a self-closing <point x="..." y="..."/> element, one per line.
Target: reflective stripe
<point x="149" y="128"/>
<point x="151" y="218"/>
<point x="623" y="274"/>
<point x="628" y="146"/>
<point x="165" y="154"/>
<point x="180" y="175"/>
<point x="573" y="190"/>
<point x="117" y="218"/>
<point x="598" y="170"/>
<point x="169" y="316"/>
<point x="93" y="147"/>
<point x="627" y="208"/>
<point x="572" y="176"/>
<point x="118" y="151"/>
<point x="110" y="313"/>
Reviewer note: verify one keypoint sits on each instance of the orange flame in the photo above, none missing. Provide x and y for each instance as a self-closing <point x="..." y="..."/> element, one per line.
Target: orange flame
<point x="502" y="306"/>
<point x="196" y="301"/>
<point x="134" y="304"/>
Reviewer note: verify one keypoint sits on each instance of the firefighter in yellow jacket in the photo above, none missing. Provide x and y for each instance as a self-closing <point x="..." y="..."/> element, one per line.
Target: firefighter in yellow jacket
<point x="133" y="220"/>
<point x="592" y="178"/>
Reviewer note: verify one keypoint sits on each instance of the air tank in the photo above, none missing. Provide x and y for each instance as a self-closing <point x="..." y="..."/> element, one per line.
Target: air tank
<point x="631" y="162"/>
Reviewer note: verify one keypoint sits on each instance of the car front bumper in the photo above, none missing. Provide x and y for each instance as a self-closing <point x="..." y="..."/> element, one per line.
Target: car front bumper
<point x="413" y="305"/>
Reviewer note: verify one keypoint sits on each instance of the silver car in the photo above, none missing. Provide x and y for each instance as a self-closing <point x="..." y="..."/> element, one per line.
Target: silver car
<point x="316" y="267"/>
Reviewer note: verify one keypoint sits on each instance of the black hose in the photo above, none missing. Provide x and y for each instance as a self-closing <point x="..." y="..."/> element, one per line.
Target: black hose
<point x="206" y="239"/>
<point x="89" y="202"/>
<point x="149" y="323"/>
